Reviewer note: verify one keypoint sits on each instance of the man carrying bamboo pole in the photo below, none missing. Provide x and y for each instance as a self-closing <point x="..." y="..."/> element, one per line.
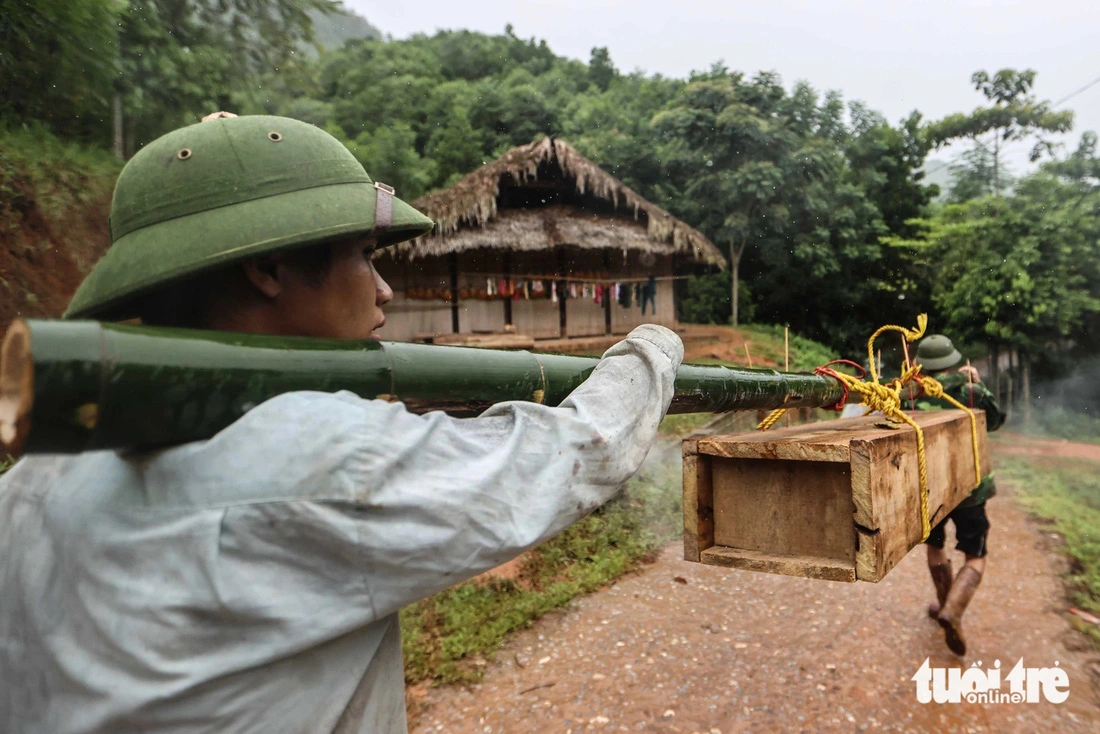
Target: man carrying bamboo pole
<point x="251" y="582"/>
<point x="939" y="358"/>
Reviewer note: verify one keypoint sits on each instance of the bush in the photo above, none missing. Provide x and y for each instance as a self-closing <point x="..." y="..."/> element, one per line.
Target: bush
<point x="37" y="166"/>
<point x="706" y="300"/>
<point x="806" y="354"/>
<point x="1058" y="421"/>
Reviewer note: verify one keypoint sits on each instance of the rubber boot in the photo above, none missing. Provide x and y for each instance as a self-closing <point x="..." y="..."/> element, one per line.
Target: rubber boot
<point x="941" y="578"/>
<point x="962" y="591"/>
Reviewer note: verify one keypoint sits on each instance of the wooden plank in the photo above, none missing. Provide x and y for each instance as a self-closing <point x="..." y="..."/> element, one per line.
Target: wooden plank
<point x="868" y="538"/>
<point x="823" y="441"/>
<point x="774" y="498"/>
<point x="887" y="499"/>
<point x="804" y="566"/>
<point x="767" y="448"/>
<point x="698" y="502"/>
<point x="796" y="508"/>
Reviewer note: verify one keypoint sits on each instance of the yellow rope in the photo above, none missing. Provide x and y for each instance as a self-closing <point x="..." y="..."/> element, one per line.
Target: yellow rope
<point x="887" y="399"/>
<point x="772" y="419"/>
<point x="935" y="390"/>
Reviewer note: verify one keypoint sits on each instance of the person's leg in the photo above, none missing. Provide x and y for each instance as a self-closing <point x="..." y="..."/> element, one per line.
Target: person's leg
<point x="976" y="562"/>
<point x="971" y="530"/>
<point x="939" y="566"/>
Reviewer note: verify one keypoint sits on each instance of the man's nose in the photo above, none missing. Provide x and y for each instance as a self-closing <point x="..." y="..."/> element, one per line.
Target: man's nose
<point x="383" y="292"/>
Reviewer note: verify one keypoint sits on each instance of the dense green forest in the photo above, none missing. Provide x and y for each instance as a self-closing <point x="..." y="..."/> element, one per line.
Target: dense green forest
<point x="818" y="201"/>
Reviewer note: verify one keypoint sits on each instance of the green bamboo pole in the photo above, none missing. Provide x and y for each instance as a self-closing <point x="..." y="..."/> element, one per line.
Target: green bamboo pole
<point x="71" y="386"/>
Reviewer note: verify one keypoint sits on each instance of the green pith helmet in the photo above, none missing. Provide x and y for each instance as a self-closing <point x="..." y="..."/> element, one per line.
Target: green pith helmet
<point x="232" y="188"/>
<point x="936" y="352"/>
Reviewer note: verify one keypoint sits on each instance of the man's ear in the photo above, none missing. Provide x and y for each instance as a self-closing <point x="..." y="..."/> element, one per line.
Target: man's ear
<point x="263" y="273"/>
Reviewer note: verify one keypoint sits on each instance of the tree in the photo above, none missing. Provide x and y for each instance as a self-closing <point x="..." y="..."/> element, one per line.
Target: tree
<point x="736" y="159"/>
<point x="974" y="175"/>
<point x="1016" y="272"/>
<point x="600" y="68"/>
<point x="56" y="63"/>
<point x="389" y="155"/>
<point x="1012" y="115"/>
<point x="178" y="59"/>
<point x="765" y="168"/>
<point x="706" y="300"/>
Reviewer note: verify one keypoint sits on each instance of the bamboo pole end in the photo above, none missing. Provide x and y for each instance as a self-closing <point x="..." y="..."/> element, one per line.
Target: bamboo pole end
<point x="16" y="387"/>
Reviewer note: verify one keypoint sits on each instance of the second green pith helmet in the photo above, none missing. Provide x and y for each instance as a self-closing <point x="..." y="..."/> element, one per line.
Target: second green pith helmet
<point x="936" y="352"/>
<point x="210" y="194"/>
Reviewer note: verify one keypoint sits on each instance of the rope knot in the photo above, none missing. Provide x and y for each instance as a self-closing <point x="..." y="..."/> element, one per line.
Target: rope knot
<point x="887" y="400"/>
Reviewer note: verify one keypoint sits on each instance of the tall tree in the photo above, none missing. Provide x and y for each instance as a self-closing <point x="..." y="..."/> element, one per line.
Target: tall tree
<point x="1016" y="272"/>
<point x="740" y="162"/>
<point x="56" y="63"/>
<point x="1013" y="114"/>
<point x="974" y="175"/>
<point x="601" y="69"/>
<point x="180" y="58"/>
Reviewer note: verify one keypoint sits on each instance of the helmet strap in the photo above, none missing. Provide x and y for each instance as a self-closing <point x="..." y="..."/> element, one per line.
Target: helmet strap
<point x="383" y="207"/>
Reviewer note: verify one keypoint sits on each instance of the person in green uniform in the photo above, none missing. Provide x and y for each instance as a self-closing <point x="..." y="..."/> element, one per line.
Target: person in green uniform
<point x="939" y="359"/>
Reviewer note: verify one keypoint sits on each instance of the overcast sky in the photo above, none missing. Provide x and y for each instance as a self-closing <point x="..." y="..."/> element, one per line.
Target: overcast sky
<point x="896" y="56"/>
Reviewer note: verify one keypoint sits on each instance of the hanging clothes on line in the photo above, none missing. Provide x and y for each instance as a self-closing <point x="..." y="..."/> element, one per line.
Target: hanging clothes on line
<point x="625" y="293"/>
<point x="649" y="294"/>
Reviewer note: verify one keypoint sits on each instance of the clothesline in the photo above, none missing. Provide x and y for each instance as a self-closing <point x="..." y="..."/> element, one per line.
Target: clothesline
<point x="574" y="279"/>
<point x="625" y="293"/>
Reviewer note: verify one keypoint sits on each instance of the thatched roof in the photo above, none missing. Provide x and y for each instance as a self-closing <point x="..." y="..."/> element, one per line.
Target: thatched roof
<point x="468" y="216"/>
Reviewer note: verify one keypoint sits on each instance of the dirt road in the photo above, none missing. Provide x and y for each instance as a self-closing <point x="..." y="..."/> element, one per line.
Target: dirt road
<point x="686" y="648"/>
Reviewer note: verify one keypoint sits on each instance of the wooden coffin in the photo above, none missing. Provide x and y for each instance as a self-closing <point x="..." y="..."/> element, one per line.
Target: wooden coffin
<point x="837" y="500"/>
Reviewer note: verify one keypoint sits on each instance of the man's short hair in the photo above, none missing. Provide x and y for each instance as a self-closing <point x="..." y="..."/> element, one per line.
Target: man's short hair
<point x="185" y="304"/>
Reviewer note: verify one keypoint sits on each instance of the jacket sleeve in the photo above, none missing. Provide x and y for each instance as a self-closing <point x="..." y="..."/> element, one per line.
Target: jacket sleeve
<point x="975" y="395"/>
<point x="411" y="504"/>
<point x="983" y="398"/>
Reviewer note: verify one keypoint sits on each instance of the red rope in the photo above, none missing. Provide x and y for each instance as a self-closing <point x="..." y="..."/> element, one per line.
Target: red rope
<point x="826" y="371"/>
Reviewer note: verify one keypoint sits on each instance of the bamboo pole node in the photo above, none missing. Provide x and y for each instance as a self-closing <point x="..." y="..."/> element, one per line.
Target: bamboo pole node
<point x="16" y="386"/>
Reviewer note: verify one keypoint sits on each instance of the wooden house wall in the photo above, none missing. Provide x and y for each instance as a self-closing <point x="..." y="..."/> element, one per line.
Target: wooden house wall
<point x="475" y="315"/>
<point x="625" y="319"/>
<point x="408" y="319"/>
<point x="583" y="316"/>
<point x="536" y="317"/>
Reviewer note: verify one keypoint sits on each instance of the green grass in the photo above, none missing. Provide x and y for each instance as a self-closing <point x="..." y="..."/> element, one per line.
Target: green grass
<point x="683" y="423"/>
<point x="447" y="638"/>
<point x="1058" y="422"/>
<point x="767" y="343"/>
<point x="1065" y="495"/>
<point x="56" y="174"/>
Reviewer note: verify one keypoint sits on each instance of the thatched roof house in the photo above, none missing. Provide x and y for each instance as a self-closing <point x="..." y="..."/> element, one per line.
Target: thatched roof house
<point x="498" y="205"/>
<point x="540" y="214"/>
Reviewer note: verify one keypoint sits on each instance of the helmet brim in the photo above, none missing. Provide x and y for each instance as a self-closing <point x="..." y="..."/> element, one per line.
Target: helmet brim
<point x="175" y="249"/>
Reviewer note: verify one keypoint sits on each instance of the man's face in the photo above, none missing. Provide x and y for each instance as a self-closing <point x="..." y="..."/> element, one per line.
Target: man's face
<point x="347" y="304"/>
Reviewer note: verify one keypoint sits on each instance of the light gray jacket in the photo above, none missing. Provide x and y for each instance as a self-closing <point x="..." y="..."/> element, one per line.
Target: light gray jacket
<point x="251" y="583"/>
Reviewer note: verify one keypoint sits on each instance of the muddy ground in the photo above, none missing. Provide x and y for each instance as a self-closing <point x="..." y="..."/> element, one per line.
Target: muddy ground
<point x="681" y="647"/>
